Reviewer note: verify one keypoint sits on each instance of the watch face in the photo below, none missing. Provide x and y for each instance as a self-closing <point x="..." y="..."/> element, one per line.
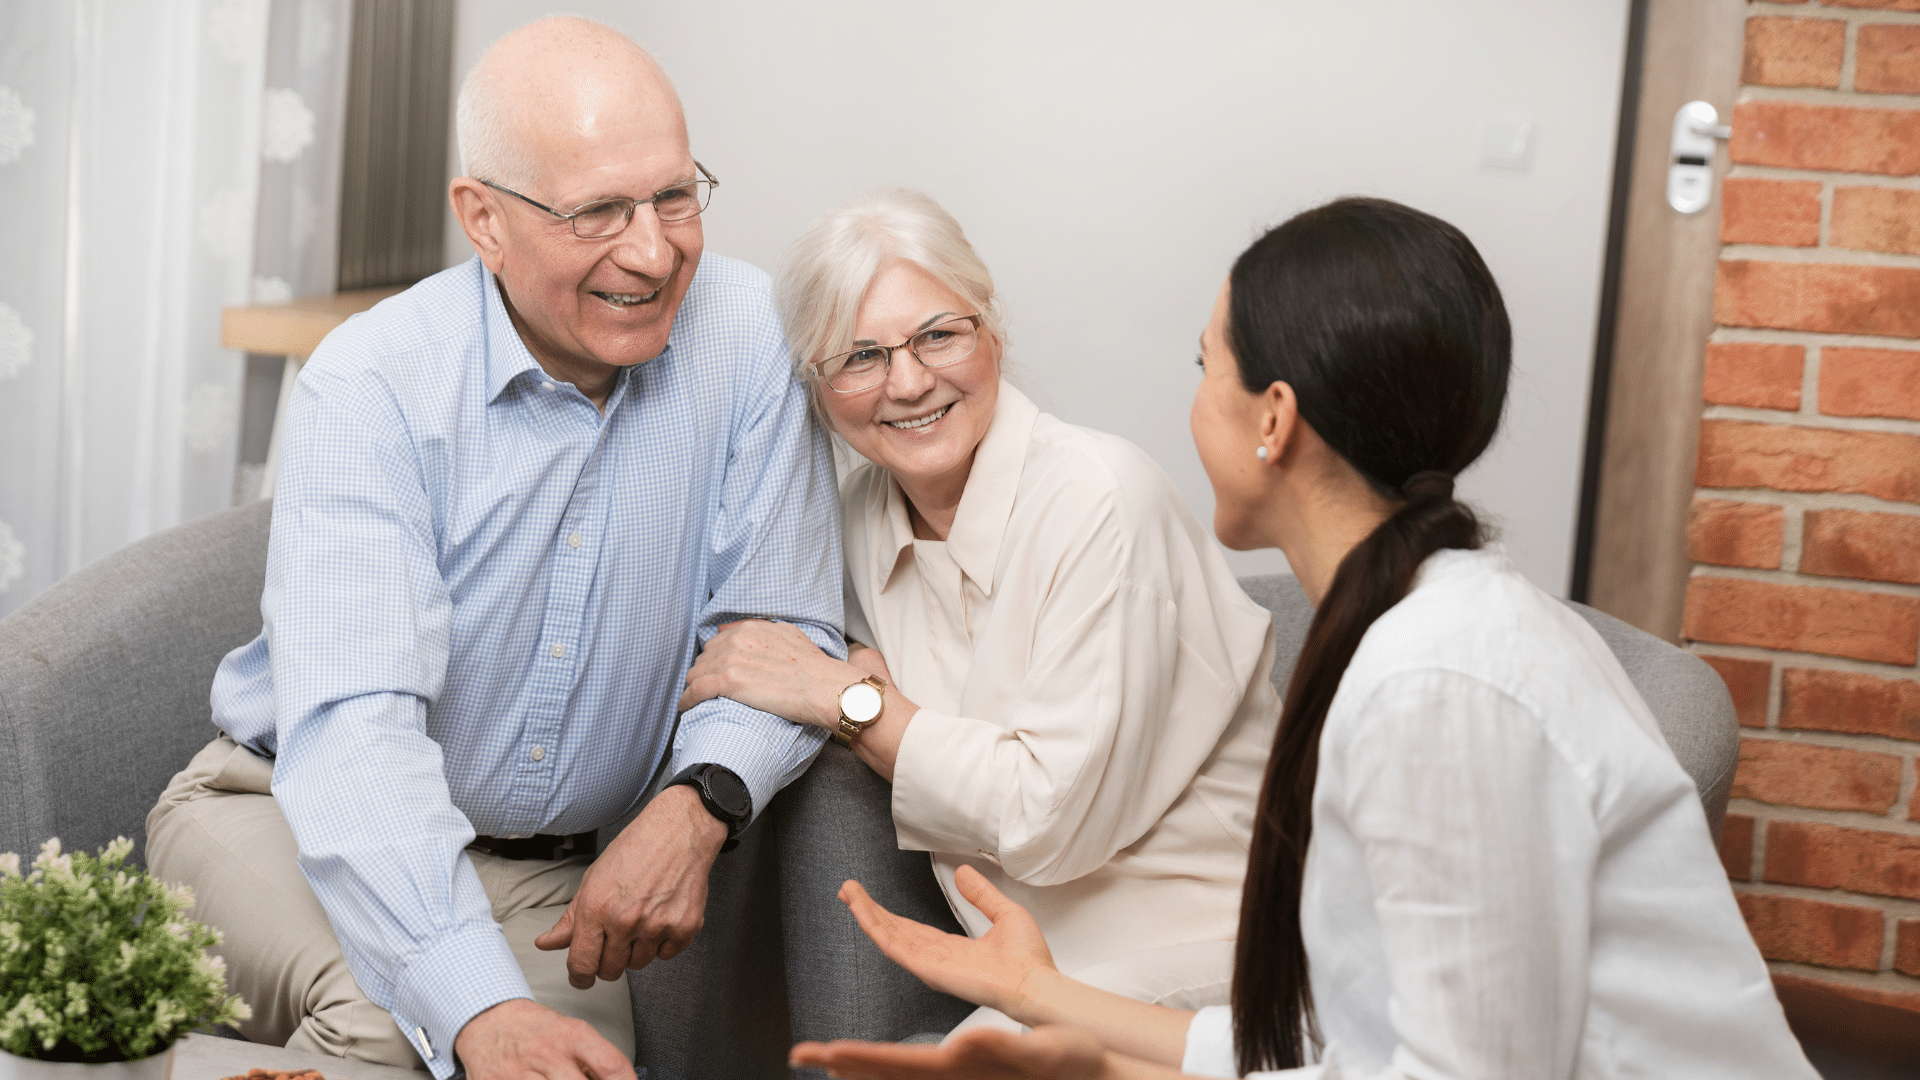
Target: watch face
<point x="729" y="792"/>
<point x="860" y="703"/>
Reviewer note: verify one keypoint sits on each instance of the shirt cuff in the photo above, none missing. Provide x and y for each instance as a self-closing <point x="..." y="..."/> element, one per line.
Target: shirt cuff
<point x="759" y="763"/>
<point x="457" y="978"/>
<point x="1210" y="1044"/>
<point x="946" y="796"/>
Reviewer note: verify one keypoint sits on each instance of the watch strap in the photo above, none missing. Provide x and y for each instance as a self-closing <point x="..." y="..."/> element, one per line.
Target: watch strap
<point x="700" y="776"/>
<point x="849" y="729"/>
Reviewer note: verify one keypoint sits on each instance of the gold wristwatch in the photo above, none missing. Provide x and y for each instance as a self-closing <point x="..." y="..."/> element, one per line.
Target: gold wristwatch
<point x="860" y="706"/>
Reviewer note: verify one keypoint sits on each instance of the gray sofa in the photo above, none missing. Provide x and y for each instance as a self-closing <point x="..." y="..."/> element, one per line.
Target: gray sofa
<point x="103" y="696"/>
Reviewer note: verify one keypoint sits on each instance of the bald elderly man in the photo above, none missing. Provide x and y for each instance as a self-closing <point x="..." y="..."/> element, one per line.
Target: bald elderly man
<point x="514" y="500"/>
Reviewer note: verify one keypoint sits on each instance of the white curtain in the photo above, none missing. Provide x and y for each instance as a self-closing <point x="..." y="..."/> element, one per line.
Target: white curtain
<point x="135" y="143"/>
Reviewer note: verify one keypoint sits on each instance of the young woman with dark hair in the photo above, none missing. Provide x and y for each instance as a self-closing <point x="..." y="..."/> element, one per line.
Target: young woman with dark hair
<point x="1474" y="855"/>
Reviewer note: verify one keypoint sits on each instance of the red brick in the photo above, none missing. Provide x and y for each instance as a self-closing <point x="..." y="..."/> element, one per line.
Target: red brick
<point x="1837" y="857"/>
<point x="1728" y="533"/>
<point x="1812" y="699"/>
<point x="1825" y="297"/>
<point x="1876" y="219"/>
<point x="1836" y="622"/>
<point x="1785" y="213"/>
<point x="1813" y="932"/>
<point x="1736" y="846"/>
<point x="1831" y="137"/>
<point x="1870" y="382"/>
<point x="1788" y="51"/>
<point x="1744" y="454"/>
<point x="1906" y="947"/>
<point x="1883" y="5"/>
<point x="1863" y="545"/>
<point x="1886" y="59"/>
<point x="1747" y="683"/>
<point x="1816" y="777"/>
<point x="1871" y="1023"/>
<point x="1756" y="375"/>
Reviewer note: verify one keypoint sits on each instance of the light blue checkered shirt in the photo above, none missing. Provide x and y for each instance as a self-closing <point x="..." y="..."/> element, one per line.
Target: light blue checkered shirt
<point x="483" y="595"/>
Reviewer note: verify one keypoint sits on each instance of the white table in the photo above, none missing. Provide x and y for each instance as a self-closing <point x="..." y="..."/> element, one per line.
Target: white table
<point x="205" y="1057"/>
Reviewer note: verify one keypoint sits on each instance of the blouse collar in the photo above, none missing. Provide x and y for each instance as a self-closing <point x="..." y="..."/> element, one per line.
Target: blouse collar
<point x="980" y="521"/>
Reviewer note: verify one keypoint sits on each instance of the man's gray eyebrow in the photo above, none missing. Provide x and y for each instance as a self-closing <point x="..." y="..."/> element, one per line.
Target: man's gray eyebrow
<point x="610" y="198"/>
<point x="864" y="342"/>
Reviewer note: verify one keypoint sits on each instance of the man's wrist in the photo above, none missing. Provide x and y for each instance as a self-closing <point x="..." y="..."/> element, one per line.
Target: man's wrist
<point x="722" y="796"/>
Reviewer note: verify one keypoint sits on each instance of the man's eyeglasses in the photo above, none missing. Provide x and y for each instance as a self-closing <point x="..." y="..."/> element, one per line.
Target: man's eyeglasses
<point x="943" y="343"/>
<point x="598" y="220"/>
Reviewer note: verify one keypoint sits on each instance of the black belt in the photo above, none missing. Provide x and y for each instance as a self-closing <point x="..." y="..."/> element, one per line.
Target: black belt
<point x="538" y="846"/>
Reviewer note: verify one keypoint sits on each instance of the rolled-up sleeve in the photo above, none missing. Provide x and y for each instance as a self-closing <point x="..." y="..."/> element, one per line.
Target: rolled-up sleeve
<point x="776" y="555"/>
<point x="357" y="616"/>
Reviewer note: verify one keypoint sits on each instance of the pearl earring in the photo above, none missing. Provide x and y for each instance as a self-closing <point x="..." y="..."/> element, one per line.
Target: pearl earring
<point x="1260" y="452"/>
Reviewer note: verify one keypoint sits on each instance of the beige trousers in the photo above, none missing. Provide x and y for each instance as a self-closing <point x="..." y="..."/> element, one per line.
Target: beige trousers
<point x="218" y="829"/>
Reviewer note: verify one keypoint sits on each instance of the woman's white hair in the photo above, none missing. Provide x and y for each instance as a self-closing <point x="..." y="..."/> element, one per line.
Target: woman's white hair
<point x="827" y="270"/>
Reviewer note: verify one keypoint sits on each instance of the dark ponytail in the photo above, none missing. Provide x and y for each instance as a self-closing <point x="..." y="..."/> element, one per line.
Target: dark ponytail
<point x="1392" y="333"/>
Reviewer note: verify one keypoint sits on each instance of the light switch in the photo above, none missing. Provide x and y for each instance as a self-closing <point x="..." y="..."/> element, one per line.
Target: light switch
<point x="1507" y="144"/>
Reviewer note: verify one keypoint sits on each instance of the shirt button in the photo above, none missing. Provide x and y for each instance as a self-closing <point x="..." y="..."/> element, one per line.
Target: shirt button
<point x="537" y="753"/>
<point x="546" y="386"/>
<point x="559" y="651"/>
<point x="574" y="540"/>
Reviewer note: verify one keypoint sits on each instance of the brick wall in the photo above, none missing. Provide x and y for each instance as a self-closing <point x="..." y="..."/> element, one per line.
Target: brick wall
<point x="1805" y="529"/>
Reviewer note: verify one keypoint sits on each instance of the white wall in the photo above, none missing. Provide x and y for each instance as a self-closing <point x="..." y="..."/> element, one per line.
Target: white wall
<point x="1058" y="132"/>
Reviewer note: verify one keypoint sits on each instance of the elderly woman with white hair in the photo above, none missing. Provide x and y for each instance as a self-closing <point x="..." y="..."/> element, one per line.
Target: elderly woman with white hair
<point x="1052" y="663"/>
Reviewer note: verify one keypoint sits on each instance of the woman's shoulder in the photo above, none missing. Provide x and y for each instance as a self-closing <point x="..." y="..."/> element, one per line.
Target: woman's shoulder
<point x="1074" y="469"/>
<point x="1471" y="612"/>
<point x="1473" y="615"/>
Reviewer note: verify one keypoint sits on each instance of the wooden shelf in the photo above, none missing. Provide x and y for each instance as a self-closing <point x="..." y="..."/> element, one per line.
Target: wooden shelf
<point x="296" y="327"/>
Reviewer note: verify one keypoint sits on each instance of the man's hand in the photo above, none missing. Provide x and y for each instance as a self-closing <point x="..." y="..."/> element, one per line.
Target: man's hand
<point x="522" y="1038"/>
<point x="645" y="897"/>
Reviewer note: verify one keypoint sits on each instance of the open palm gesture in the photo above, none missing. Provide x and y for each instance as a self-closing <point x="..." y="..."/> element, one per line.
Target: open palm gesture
<point x="1050" y="1053"/>
<point x="994" y="969"/>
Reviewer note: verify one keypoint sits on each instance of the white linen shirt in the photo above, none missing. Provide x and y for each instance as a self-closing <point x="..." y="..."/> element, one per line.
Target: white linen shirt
<point x="1096" y="704"/>
<point x="1510" y="875"/>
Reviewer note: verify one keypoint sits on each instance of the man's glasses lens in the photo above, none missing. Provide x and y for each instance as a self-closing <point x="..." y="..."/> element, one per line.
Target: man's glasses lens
<point x="673" y="204"/>
<point x="602" y="219"/>
<point x="936" y="346"/>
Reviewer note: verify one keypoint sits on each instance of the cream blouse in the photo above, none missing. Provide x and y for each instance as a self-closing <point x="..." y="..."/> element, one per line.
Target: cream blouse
<point x="1096" y="709"/>
<point x="1510" y="875"/>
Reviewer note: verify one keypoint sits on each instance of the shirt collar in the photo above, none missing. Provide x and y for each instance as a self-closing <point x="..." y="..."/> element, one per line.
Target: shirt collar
<point x="507" y="355"/>
<point x="980" y="521"/>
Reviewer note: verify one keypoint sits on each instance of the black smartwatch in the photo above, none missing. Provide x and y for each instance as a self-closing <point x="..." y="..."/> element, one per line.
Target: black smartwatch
<point x="723" y="794"/>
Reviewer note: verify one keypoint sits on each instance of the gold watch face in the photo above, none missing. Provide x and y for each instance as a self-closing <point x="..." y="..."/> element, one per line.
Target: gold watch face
<point x="860" y="703"/>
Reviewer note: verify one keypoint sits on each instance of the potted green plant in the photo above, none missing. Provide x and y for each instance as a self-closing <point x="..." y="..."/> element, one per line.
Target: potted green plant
<point x="100" y="969"/>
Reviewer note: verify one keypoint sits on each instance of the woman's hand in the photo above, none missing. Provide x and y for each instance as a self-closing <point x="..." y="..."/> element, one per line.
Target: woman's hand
<point x="1050" y="1053"/>
<point x="995" y="969"/>
<point x="869" y="660"/>
<point x="773" y="667"/>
